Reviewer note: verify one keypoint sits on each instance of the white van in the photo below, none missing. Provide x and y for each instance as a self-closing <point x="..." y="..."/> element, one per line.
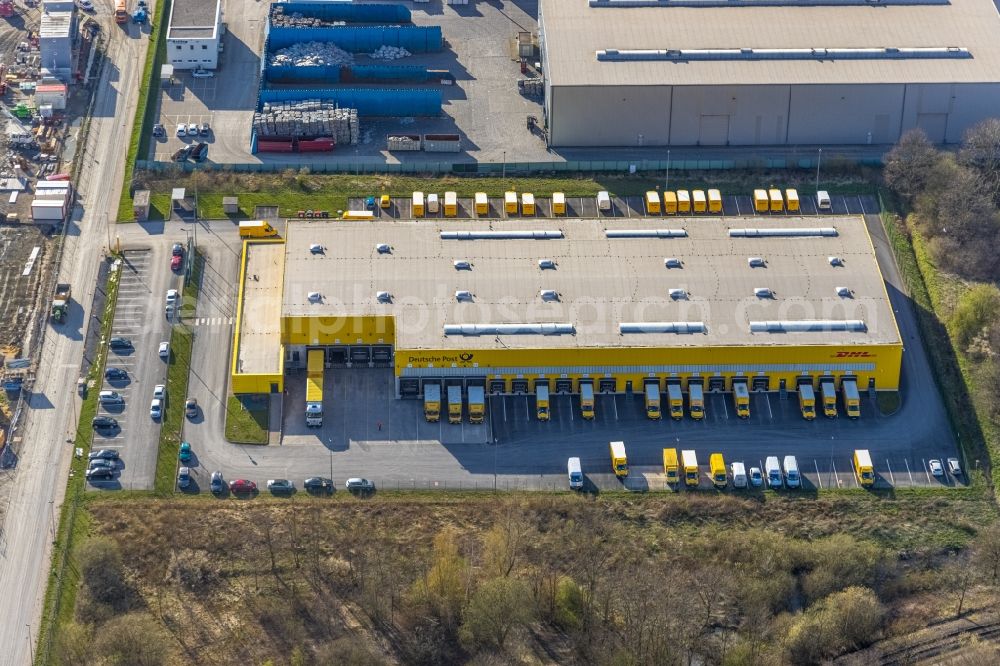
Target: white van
<point x="575" y="473"/>
<point x="603" y="200"/>
<point x="739" y="472"/>
<point x="792" y="478"/>
<point x="823" y="200"/>
<point x="432" y="203"/>
<point x="772" y="470"/>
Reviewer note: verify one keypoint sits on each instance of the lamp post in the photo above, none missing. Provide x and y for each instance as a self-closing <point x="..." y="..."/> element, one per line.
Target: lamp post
<point x="666" y="184"/>
<point x="31" y="644"/>
<point x="819" y="158"/>
<point x="503" y="170"/>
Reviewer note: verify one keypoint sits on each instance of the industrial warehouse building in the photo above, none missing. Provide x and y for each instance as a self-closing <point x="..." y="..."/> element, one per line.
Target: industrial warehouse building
<point x="194" y="34"/>
<point x="616" y="303"/>
<point x="766" y="72"/>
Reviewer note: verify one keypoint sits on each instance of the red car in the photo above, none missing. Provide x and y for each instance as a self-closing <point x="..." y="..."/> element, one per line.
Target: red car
<point x="242" y="486"/>
<point x="175" y="262"/>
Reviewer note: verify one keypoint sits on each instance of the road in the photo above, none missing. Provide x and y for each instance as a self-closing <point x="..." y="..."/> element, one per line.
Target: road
<point x="39" y="482"/>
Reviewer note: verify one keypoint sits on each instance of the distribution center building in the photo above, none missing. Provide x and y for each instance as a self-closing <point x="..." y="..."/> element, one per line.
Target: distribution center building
<point x="616" y="303"/>
<point x="766" y="72"/>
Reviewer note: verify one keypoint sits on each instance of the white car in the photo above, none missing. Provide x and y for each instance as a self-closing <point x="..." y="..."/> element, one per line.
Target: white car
<point x="164" y="350"/>
<point x="182" y="130"/>
<point x="172" y="295"/>
<point x="202" y="74"/>
<point x="160" y="391"/>
<point x="156" y="408"/>
<point x="192" y="129"/>
<point x="954" y="467"/>
<point x="936" y="468"/>
<point x="86" y="5"/>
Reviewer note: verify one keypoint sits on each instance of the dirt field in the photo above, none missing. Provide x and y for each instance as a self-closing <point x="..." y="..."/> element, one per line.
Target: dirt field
<point x="449" y="579"/>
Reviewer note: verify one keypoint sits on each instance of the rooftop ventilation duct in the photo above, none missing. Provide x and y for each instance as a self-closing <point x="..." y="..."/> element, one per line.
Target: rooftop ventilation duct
<point x="763" y="292"/>
<point x="784" y="232"/>
<point x="835" y="261"/>
<point x="509" y="329"/>
<point x="383" y="248"/>
<point x="645" y="233"/>
<point x="662" y="327"/>
<point x="756" y="262"/>
<point x="546" y="264"/>
<point x="815" y="53"/>
<point x="463" y="295"/>
<point x="500" y="235"/>
<point x="549" y="295"/>
<point x="462" y="265"/>
<point x="383" y="297"/>
<point x="672" y="262"/>
<point x="809" y="326"/>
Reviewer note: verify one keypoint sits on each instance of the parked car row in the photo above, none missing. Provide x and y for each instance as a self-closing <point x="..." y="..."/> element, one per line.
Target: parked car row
<point x="314" y="484"/>
<point x="102" y="465"/>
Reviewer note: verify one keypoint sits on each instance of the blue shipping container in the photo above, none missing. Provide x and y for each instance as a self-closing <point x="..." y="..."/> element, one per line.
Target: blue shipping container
<point x="346" y="11"/>
<point x="361" y="39"/>
<point x="415" y="73"/>
<point x="368" y="101"/>
<point x="303" y="73"/>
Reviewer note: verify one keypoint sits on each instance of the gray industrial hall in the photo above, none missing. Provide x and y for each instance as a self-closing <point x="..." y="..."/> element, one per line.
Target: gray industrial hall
<point x="766" y="72"/>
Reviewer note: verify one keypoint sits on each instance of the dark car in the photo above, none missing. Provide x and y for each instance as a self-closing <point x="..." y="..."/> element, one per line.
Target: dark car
<point x="101" y="463"/>
<point x="120" y="343"/>
<point x="242" y="486"/>
<point x="191" y="408"/>
<point x="100" y="474"/>
<point x="159" y="131"/>
<point x="359" y="485"/>
<point x="182" y="154"/>
<point x="318" y="484"/>
<point x="107" y="454"/>
<point x="217" y="484"/>
<point x="200" y="152"/>
<point x="104" y="423"/>
<point x="115" y="374"/>
<point x="177" y="250"/>
<point x="205" y="129"/>
<point x="175" y="262"/>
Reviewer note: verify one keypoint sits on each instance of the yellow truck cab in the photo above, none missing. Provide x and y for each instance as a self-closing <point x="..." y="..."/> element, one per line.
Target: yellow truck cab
<point x="482" y="203"/>
<point x="717" y="465"/>
<point x="669" y="203"/>
<point x="587" y="401"/>
<point x="852" y="399"/>
<point x="741" y="397"/>
<point x="384" y="201"/>
<point x="477" y="404"/>
<point x="863" y="468"/>
<point x="696" y="401"/>
<point x="542" y="402"/>
<point x="256" y="229"/>
<point x="689" y="460"/>
<point x="829" y="395"/>
<point x="671" y="468"/>
<point x="558" y="203"/>
<point x="432" y="403"/>
<point x="676" y="399"/>
<point x="652" y="202"/>
<point x="618" y="461"/>
<point x="454" y="404"/>
<point x="653" y="401"/>
<point x="807" y="401"/>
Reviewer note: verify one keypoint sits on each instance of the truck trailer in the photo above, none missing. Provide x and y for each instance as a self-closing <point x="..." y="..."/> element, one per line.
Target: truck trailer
<point x="652" y="401"/>
<point x="619" y="463"/>
<point x="696" y="401"/>
<point x="676" y="399"/>
<point x="477" y="404"/>
<point x="454" y="404"/>
<point x="689" y="460"/>
<point x="432" y="403"/>
<point x="60" y="302"/>
<point x="314" y="388"/>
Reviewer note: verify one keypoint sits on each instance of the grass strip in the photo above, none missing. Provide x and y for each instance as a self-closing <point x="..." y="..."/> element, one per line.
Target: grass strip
<point x="247" y="423"/>
<point x="60" y="594"/>
<point x="178" y="371"/>
<point x="145" y="109"/>
<point x="951" y="373"/>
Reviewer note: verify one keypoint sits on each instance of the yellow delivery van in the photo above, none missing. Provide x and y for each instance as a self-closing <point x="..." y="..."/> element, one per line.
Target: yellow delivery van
<point x="792" y="200"/>
<point x="777" y="203"/>
<point x="417" y="204"/>
<point x="699" y="202"/>
<point x="482" y="203"/>
<point x="450" y="204"/>
<point x="257" y="229"/>
<point x="683" y="201"/>
<point x="760" y="202"/>
<point x="669" y="203"/>
<point x="652" y="203"/>
<point x="714" y="201"/>
<point x="558" y="203"/>
<point x="527" y="203"/>
<point x="510" y="203"/>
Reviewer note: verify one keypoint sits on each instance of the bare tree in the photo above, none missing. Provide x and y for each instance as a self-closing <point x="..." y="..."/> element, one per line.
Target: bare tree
<point x="981" y="152"/>
<point x="909" y="165"/>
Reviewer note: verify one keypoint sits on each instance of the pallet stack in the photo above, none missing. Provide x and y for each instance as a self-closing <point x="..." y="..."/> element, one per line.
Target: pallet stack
<point x="308" y="118"/>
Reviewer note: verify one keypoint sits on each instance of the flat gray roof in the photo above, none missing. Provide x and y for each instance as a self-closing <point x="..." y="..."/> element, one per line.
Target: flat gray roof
<point x="260" y="325"/>
<point x="599" y="282"/>
<point x="574" y="31"/>
<point x="193" y="19"/>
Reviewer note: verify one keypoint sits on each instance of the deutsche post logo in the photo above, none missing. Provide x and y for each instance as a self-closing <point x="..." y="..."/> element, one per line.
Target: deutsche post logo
<point x="853" y="354"/>
<point x="466" y="357"/>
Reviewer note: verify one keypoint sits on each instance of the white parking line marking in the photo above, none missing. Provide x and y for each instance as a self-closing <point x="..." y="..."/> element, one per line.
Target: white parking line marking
<point x="892" y="479"/>
<point x="527" y="412"/>
<point x="769" y="412"/>
<point x="614" y="401"/>
<point x="819" y="479"/>
<point x="505" y="410"/>
<point x="836" y="476"/>
<point x="926" y="472"/>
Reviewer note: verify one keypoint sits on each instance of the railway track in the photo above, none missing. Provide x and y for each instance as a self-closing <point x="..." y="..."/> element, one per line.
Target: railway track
<point x="950" y="639"/>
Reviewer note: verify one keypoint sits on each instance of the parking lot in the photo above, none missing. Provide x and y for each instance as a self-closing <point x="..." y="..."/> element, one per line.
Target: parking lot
<point x="629" y="206"/>
<point x="139" y="317"/>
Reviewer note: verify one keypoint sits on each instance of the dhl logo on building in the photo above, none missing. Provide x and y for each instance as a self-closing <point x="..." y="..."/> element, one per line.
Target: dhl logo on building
<point x="853" y="354"/>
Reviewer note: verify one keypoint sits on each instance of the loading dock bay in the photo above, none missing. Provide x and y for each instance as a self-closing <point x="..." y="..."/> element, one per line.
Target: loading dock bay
<point x="630" y="206"/>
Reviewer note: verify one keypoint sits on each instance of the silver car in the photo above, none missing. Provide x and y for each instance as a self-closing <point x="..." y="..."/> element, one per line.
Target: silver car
<point x="184" y="477"/>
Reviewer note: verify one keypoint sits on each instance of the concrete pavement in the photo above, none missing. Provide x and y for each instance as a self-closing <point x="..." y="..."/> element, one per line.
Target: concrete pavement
<point x="40" y="479"/>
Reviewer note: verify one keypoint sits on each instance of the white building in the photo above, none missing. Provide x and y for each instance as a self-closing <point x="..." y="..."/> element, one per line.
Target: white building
<point x="194" y="34"/>
<point x="55" y="43"/>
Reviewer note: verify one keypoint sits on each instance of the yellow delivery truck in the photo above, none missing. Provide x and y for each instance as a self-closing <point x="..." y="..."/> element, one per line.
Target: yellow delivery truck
<point x="699" y="201"/>
<point x="807" y="401"/>
<point x="671" y="468"/>
<point x="683" y="201"/>
<point x="852" y="399"/>
<point x="587" y="401"/>
<point x="256" y="229"/>
<point x="760" y="202"/>
<point x="717" y="465"/>
<point x="450" y="204"/>
<point x="676" y="399"/>
<point x="558" y="203"/>
<point x="432" y="402"/>
<point x="863" y="468"/>
<point x="454" y="404"/>
<point x="829" y="396"/>
<point x="542" y="402"/>
<point x="696" y="401"/>
<point x="618" y="461"/>
<point x="777" y="203"/>
<point x="653" y="400"/>
<point x="417" y="204"/>
<point x="527" y="203"/>
<point x="714" y="201"/>
<point x="510" y="203"/>
<point x="689" y="460"/>
<point x="652" y="203"/>
<point x="792" y="200"/>
<point x="741" y="398"/>
<point x="482" y="203"/>
<point x="670" y="203"/>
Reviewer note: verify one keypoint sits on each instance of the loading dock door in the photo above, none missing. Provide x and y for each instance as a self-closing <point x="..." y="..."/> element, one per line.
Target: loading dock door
<point x="498" y="386"/>
<point x="519" y="386"/>
<point x="716" y="384"/>
<point x="608" y="385"/>
<point x="381" y="356"/>
<point x="760" y="384"/>
<point x="336" y="356"/>
<point x="360" y="354"/>
<point x="564" y="386"/>
<point x="409" y="388"/>
<point x="714" y="131"/>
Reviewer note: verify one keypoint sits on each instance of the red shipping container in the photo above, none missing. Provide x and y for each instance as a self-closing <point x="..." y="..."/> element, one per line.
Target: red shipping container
<point x="320" y="145"/>
<point x="274" y="146"/>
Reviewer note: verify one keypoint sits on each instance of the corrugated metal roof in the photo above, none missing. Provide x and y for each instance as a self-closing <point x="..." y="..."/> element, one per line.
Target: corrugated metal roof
<point x="600" y="282"/>
<point x="55" y="24"/>
<point x="574" y="32"/>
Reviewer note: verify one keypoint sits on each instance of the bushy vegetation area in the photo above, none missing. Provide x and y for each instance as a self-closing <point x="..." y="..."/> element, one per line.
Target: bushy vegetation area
<point x="482" y="579"/>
